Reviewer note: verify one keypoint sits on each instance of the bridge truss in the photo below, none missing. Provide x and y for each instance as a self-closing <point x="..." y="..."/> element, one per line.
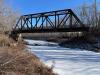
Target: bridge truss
<point x="54" y="21"/>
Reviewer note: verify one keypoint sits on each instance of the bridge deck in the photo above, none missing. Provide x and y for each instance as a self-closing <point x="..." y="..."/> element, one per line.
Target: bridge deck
<point x="78" y="29"/>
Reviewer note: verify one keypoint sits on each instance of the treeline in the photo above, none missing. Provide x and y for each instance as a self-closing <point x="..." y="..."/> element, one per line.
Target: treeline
<point x="90" y="15"/>
<point x="8" y="17"/>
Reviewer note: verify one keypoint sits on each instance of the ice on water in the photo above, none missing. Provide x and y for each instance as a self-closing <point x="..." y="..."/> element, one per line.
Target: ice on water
<point x="67" y="61"/>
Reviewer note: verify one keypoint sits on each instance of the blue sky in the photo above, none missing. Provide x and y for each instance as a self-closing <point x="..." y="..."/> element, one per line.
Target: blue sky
<point x="36" y="6"/>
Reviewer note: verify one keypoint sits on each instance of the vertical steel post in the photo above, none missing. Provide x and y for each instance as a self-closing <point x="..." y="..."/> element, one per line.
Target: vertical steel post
<point x="27" y="22"/>
<point x="42" y="21"/>
<point x="46" y="21"/>
<point x="58" y="21"/>
<point x="70" y="20"/>
<point x="21" y="23"/>
<point x="55" y="20"/>
<point x="31" y="22"/>
<point x="36" y="22"/>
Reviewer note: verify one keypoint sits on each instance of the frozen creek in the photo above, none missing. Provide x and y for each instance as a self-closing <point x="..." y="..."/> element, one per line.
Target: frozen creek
<point x="66" y="61"/>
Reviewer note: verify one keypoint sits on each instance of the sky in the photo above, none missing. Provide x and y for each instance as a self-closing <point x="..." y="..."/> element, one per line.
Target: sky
<point x="36" y="6"/>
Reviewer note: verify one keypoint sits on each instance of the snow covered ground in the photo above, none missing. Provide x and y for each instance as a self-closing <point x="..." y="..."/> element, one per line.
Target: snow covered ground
<point x="67" y="61"/>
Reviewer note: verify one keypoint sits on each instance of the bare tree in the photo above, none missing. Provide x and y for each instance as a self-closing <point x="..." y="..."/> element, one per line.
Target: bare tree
<point x="90" y="15"/>
<point x="8" y="17"/>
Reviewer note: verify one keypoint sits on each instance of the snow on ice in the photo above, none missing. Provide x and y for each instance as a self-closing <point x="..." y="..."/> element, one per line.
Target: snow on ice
<point x="67" y="61"/>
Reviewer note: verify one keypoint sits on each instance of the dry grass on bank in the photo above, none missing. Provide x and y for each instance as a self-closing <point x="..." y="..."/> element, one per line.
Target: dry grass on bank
<point x="15" y="60"/>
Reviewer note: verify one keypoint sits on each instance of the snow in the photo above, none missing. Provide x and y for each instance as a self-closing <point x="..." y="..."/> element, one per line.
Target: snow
<point x="67" y="61"/>
<point x="39" y="42"/>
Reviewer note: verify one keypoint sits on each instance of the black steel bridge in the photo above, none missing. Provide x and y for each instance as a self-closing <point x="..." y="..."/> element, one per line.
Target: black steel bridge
<point x="54" y="21"/>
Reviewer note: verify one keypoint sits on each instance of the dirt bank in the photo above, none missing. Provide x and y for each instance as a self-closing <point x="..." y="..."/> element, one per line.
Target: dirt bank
<point x="15" y="60"/>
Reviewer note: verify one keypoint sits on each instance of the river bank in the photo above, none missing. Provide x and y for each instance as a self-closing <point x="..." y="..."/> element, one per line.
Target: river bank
<point x="15" y="59"/>
<point x="87" y="43"/>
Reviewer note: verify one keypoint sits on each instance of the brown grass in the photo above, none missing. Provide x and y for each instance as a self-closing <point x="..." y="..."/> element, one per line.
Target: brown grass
<point x="15" y="60"/>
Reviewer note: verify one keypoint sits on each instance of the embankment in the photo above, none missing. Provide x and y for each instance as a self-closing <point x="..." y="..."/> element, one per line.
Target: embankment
<point x="16" y="60"/>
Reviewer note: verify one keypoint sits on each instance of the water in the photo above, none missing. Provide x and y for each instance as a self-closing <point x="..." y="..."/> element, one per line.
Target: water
<point x="66" y="61"/>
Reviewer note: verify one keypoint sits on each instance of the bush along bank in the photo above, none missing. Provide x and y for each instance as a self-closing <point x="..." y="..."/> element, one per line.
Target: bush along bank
<point x="16" y="60"/>
<point x="84" y="43"/>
